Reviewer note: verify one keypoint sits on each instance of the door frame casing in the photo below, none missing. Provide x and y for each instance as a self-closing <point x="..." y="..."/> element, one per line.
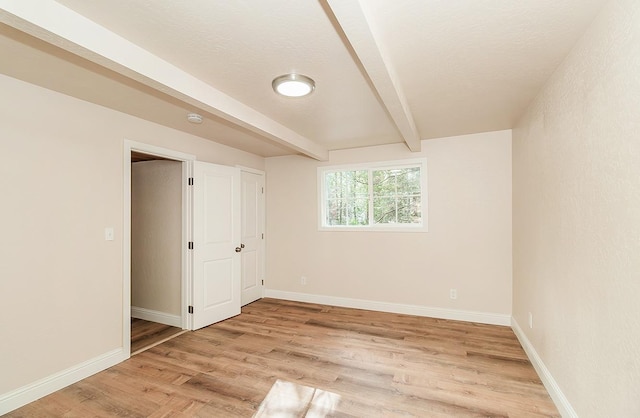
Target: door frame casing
<point x="187" y="170"/>
<point x="263" y="244"/>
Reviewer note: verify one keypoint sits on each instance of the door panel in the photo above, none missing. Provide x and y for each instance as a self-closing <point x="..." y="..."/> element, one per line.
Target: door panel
<point x="216" y="234"/>
<point x="217" y="207"/>
<point x="252" y="236"/>
<point x="217" y="283"/>
<point x="249" y="272"/>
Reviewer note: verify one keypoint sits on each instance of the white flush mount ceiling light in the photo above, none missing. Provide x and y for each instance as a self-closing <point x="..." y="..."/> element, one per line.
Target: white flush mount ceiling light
<point x="293" y="85"/>
<point x="194" y="118"/>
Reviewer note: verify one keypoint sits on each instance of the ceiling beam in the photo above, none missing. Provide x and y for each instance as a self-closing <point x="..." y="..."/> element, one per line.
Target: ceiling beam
<point x="64" y="28"/>
<point x="357" y="29"/>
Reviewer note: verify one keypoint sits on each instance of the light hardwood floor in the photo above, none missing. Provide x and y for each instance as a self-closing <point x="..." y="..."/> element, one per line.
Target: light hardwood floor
<point x="288" y="359"/>
<point x="146" y="333"/>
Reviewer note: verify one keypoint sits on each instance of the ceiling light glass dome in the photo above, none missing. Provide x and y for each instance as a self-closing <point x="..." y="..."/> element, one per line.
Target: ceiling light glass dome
<point x="293" y="85"/>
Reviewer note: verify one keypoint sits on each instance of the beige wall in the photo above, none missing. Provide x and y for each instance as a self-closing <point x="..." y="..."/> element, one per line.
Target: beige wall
<point x="468" y="246"/>
<point x="156" y="236"/>
<point x="61" y="182"/>
<point x="576" y="203"/>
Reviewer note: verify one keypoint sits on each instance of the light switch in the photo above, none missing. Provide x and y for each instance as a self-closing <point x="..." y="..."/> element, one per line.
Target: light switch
<point x="108" y="234"/>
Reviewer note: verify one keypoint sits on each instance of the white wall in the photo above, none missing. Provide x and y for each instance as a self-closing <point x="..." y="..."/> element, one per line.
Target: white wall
<point x="61" y="182"/>
<point x="576" y="203"/>
<point x="468" y="246"/>
<point x="156" y="237"/>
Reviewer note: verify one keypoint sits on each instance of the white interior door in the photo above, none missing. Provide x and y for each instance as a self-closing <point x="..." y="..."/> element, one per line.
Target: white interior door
<point x="252" y="235"/>
<point x="216" y="237"/>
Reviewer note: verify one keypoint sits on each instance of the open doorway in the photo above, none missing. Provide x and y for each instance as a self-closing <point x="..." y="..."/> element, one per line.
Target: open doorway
<point x="156" y="235"/>
<point x="210" y="242"/>
<point x="156" y="253"/>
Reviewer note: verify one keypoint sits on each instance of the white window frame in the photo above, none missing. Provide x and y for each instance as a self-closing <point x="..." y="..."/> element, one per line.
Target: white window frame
<point x="382" y="165"/>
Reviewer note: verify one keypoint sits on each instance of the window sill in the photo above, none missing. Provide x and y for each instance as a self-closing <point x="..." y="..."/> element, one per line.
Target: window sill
<point x="406" y="229"/>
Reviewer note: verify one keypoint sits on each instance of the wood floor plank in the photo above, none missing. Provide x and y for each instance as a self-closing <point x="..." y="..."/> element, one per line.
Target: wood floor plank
<point x="304" y="359"/>
<point x="146" y="333"/>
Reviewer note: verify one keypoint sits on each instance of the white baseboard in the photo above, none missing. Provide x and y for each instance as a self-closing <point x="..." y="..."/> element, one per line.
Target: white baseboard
<point x="156" y="316"/>
<point x="561" y="401"/>
<point x="442" y="313"/>
<point x="43" y="387"/>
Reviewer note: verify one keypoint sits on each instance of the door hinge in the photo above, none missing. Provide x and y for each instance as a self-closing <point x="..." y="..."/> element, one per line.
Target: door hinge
<point x="191" y="245"/>
<point x="190" y="181"/>
<point x="263" y="190"/>
<point x="263" y="236"/>
<point x="263" y="282"/>
<point x="190" y="309"/>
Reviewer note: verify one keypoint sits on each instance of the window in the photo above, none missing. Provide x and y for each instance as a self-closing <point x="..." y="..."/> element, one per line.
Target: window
<point x="389" y="196"/>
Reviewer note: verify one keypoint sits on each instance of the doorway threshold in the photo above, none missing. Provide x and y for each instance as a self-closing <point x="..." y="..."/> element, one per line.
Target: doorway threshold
<point x="147" y="334"/>
<point x="145" y="348"/>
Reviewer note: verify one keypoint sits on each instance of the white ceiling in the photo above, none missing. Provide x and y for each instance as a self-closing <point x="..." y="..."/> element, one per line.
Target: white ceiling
<point x="385" y="71"/>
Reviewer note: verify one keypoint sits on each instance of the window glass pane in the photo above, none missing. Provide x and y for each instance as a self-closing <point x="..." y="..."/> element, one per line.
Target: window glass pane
<point x="347" y="184"/>
<point x="396" y="196"/>
<point x="384" y="210"/>
<point x="359" y="212"/>
<point x="384" y="183"/>
<point x="409" y="211"/>
<point x="347" y="212"/>
<point x="333" y="184"/>
<point x="408" y="181"/>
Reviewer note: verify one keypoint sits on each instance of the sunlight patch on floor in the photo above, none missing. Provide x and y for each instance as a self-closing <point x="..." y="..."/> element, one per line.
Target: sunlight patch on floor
<point x="289" y="400"/>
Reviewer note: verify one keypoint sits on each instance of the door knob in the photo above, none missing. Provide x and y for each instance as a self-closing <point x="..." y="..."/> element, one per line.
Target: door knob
<point x="241" y="245"/>
<point x="238" y="249"/>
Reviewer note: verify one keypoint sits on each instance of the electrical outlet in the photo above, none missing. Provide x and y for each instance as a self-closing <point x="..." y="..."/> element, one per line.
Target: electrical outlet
<point x="530" y="320"/>
<point x="453" y="294"/>
<point x="303" y="280"/>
